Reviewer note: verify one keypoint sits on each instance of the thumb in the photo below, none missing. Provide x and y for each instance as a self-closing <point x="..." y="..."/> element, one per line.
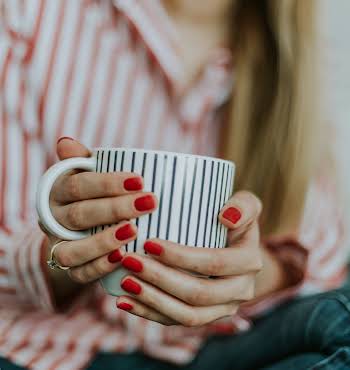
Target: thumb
<point x="67" y="147"/>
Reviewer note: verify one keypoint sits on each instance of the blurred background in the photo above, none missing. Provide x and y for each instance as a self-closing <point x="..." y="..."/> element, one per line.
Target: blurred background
<point x="335" y="64"/>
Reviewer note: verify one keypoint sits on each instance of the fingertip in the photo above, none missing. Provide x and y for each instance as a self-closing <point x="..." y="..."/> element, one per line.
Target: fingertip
<point x="145" y="202"/>
<point x="115" y="256"/>
<point x="134" y="228"/>
<point x="130" y="284"/>
<point x="125" y="231"/>
<point x="122" y="305"/>
<point x="226" y="223"/>
<point x="132" y="225"/>
<point x="133" y="183"/>
<point x="126" y="222"/>
<point x="68" y="147"/>
<point x="154" y="240"/>
<point x="153" y="248"/>
<point x="156" y="201"/>
<point x="64" y="138"/>
<point x="231" y="217"/>
<point x="155" y="198"/>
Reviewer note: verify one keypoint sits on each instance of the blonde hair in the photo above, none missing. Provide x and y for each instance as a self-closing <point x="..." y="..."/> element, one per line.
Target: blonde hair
<point x="272" y="133"/>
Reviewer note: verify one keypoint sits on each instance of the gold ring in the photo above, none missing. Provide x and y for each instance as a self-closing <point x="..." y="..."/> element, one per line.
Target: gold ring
<point x="52" y="262"/>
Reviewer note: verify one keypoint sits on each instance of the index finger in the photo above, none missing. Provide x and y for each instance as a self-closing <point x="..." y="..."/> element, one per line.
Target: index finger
<point x="90" y="185"/>
<point x="240" y="259"/>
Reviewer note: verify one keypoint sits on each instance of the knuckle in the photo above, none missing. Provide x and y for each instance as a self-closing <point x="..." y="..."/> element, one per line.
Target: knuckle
<point x="232" y="309"/>
<point x="256" y="264"/>
<point x="253" y="199"/>
<point x="74" y="216"/>
<point x="116" y="210"/>
<point x="191" y="319"/>
<point x="216" y="265"/>
<point x="99" y="269"/>
<point x="246" y="290"/>
<point x="250" y="293"/>
<point x="155" y="276"/>
<point x="106" y="183"/>
<point x="73" y="187"/>
<point x="78" y="276"/>
<point x="103" y="243"/>
<point x="198" y="295"/>
<point x="62" y="257"/>
<point x="100" y="238"/>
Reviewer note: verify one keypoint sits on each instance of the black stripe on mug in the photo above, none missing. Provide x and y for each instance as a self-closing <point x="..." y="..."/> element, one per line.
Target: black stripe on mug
<point x="191" y="192"/>
<point x="142" y="174"/>
<point x="200" y="201"/>
<point x="152" y="189"/>
<point x="171" y="197"/>
<point x="182" y="200"/>
<point x="208" y="204"/>
<point x="191" y="199"/>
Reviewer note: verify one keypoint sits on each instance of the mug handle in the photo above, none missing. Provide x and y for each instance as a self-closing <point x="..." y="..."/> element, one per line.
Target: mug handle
<point x="43" y="196"/>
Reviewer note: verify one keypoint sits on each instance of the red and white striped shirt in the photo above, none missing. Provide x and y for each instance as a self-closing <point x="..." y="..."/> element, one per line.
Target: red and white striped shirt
<point x="107" y="73"/>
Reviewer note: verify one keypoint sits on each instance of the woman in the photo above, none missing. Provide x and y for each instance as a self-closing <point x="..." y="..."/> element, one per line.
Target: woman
<point x="159" y="75"/>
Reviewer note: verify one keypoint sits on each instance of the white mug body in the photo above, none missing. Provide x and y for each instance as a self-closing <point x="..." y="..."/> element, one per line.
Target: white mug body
<point x="190" y="189"/>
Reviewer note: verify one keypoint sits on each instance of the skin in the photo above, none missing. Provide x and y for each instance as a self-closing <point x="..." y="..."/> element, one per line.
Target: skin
<point x="239" y="273"/>
<point x="201" y="26"/>
<point x="79" y="201"/>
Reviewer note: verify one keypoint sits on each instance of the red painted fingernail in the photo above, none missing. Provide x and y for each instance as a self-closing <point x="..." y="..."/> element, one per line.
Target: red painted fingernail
<point x="125" y="306"/>
<point x="64" y="137"/>
<point x="132" y="264"/>
<point x="232" y="214"/>
<point x="153" y="248"/>
<point x="131" y="286"/>
<point x="115" y="256"/>
<point x="145" y="203"/>
<point x="124" y="232"/>
<point x="133" y="183"/>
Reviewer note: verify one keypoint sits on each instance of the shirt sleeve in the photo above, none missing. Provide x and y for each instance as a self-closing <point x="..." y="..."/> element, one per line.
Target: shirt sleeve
<point x="22" y="161"/>
<point x="315" y="258"/>
<point x="323" y="235"/>
<point x="22" y="270"/>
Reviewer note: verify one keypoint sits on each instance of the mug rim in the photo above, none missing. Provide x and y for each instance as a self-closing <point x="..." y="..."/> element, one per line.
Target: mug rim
<point x="179" y="154"/>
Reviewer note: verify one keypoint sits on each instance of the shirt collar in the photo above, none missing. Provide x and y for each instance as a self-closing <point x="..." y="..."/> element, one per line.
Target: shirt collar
<point x="153" y="26"/>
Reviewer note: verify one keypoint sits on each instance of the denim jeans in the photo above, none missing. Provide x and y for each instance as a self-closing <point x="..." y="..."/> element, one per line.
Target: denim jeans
<point x="310" y="333"/>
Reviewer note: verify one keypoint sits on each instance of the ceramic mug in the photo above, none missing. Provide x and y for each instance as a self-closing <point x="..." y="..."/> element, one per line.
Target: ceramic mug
<point x="191" y="190"/>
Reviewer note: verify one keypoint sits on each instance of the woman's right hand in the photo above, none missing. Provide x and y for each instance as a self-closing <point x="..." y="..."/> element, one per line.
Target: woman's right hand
<point x="81" y="200"/>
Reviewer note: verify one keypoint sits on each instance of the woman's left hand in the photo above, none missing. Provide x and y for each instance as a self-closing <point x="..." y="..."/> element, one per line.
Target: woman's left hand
<point x="160" y="292"/>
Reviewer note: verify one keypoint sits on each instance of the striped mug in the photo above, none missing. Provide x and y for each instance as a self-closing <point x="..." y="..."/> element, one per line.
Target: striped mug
<point x="191" y="190"/>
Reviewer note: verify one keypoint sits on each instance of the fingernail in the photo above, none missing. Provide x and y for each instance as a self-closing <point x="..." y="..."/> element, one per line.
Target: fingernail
<point x="131" y="286"/>
<point x="145" y="203"/>
<point x="133" y="183"/>
<point x="125" y="306"/>
<point x="232" y="214"/>
<point x="132" y="264"/>
<point x="64" y="137"/>
<point x="153" y="248"/>
<point x="115" y="256"/>
<point x="124" y="232"/>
